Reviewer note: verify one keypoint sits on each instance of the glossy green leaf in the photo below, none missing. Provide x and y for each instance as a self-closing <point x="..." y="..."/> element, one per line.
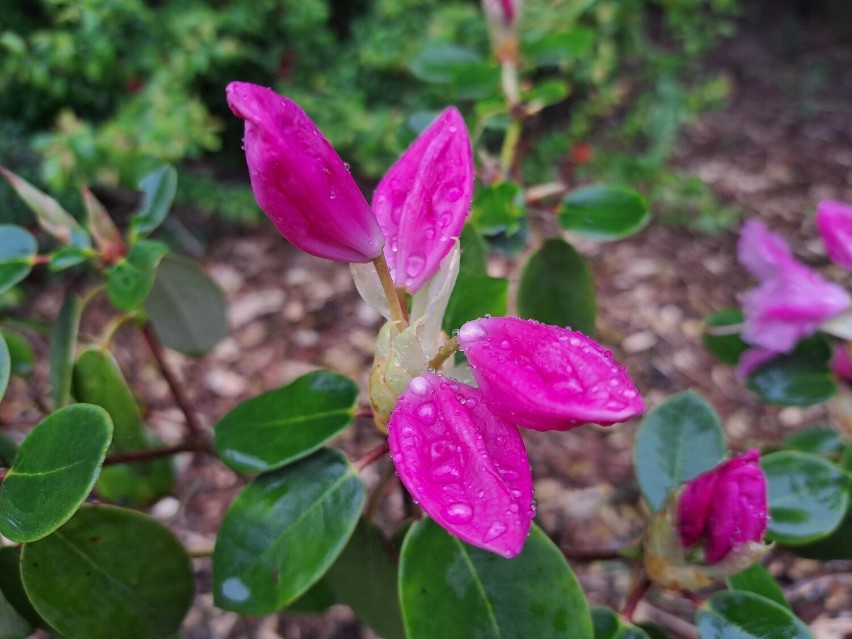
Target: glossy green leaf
<point x="279" y="427"/>
<point x="317" y="598"/>
<point x="20" y="353"/>
<point x="12" y="624"/>
<point x="793" y="380"/>
<point x="98" y="380"/>
<point x="757" y="579"/>
<point x="50" y="215"/>
<point x="509" y="243"/>
<point x="283" y="532"/>
<point x="556" y="288"/>
<point x="475" y="296"/>
<point x="720" y="343"/>
<point x="451" y="590"/>
<point x="473" y="253"/>
<point x="678" y="440"/>
<point x="745" y="615"/>
<point x="367" y="560"/>
<point x="158" y="193"/>
<point x="808" y="496"/>
<point x="17" y="250"/>
<point x="5" y="366"/>
<point x="68" y="256"/>
<point x="109" y="572"/>
<point x="820" y="440"/>
<point x="498" y="208"/>
<point x="186" y="307"/>
<point x="12" y="590"/>
<point x="608" y="624"/>
<point x="130" y="280"/>
<point x="604" y="213"/>
<point x="63" y="339"/>
<point x="546" y="93"/>
<point x="553" y="48"/>
<point x="836" y="546"/>
<point x="7" y="450"/>
<point x="53" y="472"/>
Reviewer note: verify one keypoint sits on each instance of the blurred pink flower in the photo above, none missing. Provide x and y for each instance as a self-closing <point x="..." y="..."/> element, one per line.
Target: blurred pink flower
<point x="841" y="362"/>
<point x="546" y="377"/>
<point x="752" y="359"/>
<point x="466" y="467"/>
<point x="763" y="253"/>
<point x="834" y="222"/>
<point x="725" y="507"/>
<point x="422" y="201"/>
<point x="505" y="11"/>
<point x="300" y="182"/>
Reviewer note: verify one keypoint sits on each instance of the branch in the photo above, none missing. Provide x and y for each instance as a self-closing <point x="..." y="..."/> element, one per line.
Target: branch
<point x="192" y="446"/>
<point x="639" y="590"/>
<point x="371" y="455"/>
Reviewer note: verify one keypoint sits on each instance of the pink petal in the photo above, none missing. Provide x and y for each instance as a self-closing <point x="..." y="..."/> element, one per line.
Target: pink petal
<point x="841" y="362"/>
<point x="423" y="200"/>
<point x="793" y="305"/>
<point x="299" y="180"/>
<point x="546" y="377"/>
<point x="693" y="507"/>
<point x="751" y="359"/>
<point x="467" y="468"/>
<point x="762" y="252"/>
<point x="834" y="222"/>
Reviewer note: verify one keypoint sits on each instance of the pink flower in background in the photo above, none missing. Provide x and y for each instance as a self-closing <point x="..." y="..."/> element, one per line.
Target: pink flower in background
<point x="422" y="201"/>
<point x="834" y="222"/>
<point x="546" y="377"/>
<point x="792" y="301"/>
<point x="841" y="361"/>
<point x="466" y="467"/>
<point x="725" y="507"/>
<point x="300" y="182"/>
<point x="505" y="11"/>
<point x="752" y="359"/>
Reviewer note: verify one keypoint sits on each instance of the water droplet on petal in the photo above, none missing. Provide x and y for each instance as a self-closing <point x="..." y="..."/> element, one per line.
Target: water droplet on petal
<point x="496" y="529"/>
<point x="426" y="413"/>
<point x="332" y="195"/>
<point x="454" y="194"/>
<point x="347" y="166"/>
<point x="429" y="233"/>
<point x="472" y="332"/>
<point x="458" y="513"/>
<point x="446" y="218"/>
<point x="415" y="265"/>
<point x="419" y="386"/>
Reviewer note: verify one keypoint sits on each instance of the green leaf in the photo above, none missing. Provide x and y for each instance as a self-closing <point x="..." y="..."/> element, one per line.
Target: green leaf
<point x="12" y="590"/>
<point x="98" y="380"/>
<point x="793" y="380"/>
<point x="63" y="339"/>
<point x="130" y="280"/>
<point x="279" y="427"/>
<point x="609" y="625"/>
<point x="8" y="449"/>
<point x="283" y="532"/>
<point x="12" y="624"/>
<point x="158" y="193"/>
<point x="604" y="213"/>
<point x="475" y="296"/>
<point x="5" y="366"/>
<point x="745" y="615"/>
<point x="109" y="572"/>
<point x="53" y="472"/>
<point x="556" y="48"/>
<point x="470" y="76"/>
<point x="18" y="248"/>
<point x="50" y="215"/>
<point x="546" y="93"/>
<point x="726" y="348"/>
<point x="454" y="591"/>
<point x="556" y="288"/>
<point x="835" y="546"/>
<point x="820" y="440"/>
<point x="757" y="579"/>
<point x="808" y="496"/>
<point x="367" y="560"/>
<point x="186" y="307"/>
<point x="677" y="441"/>
<point x="317" y="598"/>
<point x="68" y="256"/>
<point x="21" y="354"/>
<point x="101" y="226"/>
<point x="498" y="208"/>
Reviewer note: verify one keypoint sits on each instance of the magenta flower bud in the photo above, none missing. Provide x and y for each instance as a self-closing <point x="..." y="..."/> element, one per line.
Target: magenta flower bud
<point x="841" y="361"/>
<point x="546" y="377"/>
<point x="300" y="182"/>
<point x="504" y="11"/>
<point x="726" y="507"/>
<point x="834" y="222"/>
<point x="763" y="253"/>
<point x="467" y="468"/>
<point x="423" y="200"/>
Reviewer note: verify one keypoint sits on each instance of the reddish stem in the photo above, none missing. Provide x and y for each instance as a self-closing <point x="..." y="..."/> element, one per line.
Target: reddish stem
<point x="364" y="411"/>
<point x="371" y="455"/>
<point x="639" y="590"/>
<point x="154" y="453"/>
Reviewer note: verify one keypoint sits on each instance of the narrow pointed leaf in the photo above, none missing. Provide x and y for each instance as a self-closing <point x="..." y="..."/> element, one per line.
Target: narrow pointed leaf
<point x="745" y="615"/>
<point x="158" y="193"/>
<point x="130" y="280"/>
<point x="63" y="339"/>
<point x="54" y="470"/>
<point x="677" y="441"/>
<point x="98" y="380"/>
<point x="20" y="353"/>
<point x="68" y="256"/>
<point x="101" y="226"/>
<point x="109" y="572"/>
<point x="17" y="250"/>
<point x="454" y="591"/>
<point x="283" y="532"/>
<point x="604" y="213"/>
<point x="279" y="427"/>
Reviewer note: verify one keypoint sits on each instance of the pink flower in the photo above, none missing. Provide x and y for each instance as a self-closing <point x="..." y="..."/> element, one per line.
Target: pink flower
<point x="834" y="222"/>
<point x="423" y="200"/>
<point x="466" y="467"/>
<point x="792" y="301"/>
<point x="751" y="359"/>
<point x="300" y="182"/>
<point x="726" y="507"/>
<point x="546" y="377"/>
<point x="841" y="362"/>
<point x="506" y="11"/>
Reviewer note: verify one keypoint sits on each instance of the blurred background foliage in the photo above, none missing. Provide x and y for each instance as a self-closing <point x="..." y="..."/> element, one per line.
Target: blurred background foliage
<point x="102" y="91"/>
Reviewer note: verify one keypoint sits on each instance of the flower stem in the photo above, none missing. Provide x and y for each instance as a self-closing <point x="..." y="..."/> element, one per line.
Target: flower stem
<point x="640" y="587"/>
<point x="155" y="453"/>
<point x="398" y="314"/>
<point x="447" y="349"/>
<point x="112" y="328"/>
<point x="371" y="455"/>
<point x="510" y="146"/>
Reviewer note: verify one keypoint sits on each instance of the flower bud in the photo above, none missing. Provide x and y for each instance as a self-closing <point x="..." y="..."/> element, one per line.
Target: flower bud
<point x="300" y="182"/>
<point x="841" y="360"/>
<point x="546" y="377"/>
<point x="423" y="200"/>
<point x="502" y="18"/>
<point x="467" y="468"/>
<point x="762" y="252"/>
<point x="724" y="507"/>
<point x="834" y="222"/>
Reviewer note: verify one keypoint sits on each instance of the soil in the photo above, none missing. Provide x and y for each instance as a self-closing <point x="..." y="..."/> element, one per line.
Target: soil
<point x="783" y="143"/>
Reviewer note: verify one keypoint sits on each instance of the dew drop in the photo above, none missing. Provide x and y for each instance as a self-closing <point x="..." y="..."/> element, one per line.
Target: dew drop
<point x="496" y="529"/>
<point x="332" y="195"/>
<point x="458" y="513"/>
<point x="452" y="129"/>
<point x="415" y="265"/>
<point x="505" y="345"/>
<point x="472" y="332"/>
<point x="446" y="218"/>
<point x="429" y="233"/>
<point x="419" y="386"/>
<point x="445" y="474"/>
<point x="347" y="166"/>
<point x="574" y="341"/>
<point x="454" y="194"/>
<point x="426" y="413"/>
